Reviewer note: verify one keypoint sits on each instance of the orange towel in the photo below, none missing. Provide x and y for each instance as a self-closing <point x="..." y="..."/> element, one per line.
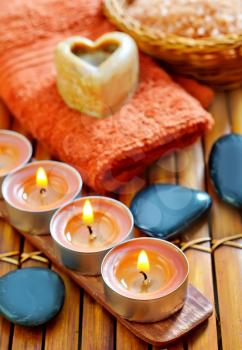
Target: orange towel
<point x="159" y="118"/>
<point x="203" y="93"/>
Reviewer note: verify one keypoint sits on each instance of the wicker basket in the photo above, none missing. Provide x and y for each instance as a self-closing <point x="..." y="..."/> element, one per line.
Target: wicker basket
<point x="217" y="62"/>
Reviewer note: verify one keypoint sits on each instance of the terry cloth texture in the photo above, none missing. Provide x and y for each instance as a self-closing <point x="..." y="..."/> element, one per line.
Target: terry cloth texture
<point x="160" y="118"/>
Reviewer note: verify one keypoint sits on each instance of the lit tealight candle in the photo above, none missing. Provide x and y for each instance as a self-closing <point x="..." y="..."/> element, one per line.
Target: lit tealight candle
<point x="88" y="219"/>
<point x="34" y="192"/>
<point x="145" y="279"/>
<point x="143" y="266"/>
<point x="15" y="151"/>
<point x="87" y="228"/>
<point x="42" y="180"/>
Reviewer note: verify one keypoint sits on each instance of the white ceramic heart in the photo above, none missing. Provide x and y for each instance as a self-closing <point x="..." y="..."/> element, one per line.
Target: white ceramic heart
<point x="97" y="78"/>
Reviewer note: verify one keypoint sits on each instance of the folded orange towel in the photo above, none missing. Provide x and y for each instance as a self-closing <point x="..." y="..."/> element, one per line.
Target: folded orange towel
<point x="159" y="118"/>
<point x="201" y="92"/>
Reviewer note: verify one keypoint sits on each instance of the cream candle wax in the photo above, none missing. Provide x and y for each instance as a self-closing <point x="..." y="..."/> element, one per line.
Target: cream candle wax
<point x="145" y="279"/>
<point x="86" y="229"/>
<point x="34" y="192"/>
<point x="15" y="151"/>
<point x="97" y="78"/>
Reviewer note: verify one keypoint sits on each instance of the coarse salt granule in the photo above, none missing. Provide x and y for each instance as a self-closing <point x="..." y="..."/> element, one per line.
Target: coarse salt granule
<point x="190" y="18"/>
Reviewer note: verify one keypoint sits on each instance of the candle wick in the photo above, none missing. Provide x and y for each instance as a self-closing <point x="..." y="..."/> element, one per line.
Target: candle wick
<point x="42" y="195"/>
<point x="92" y="236"/>
<point x="146" y="279"/>
<point x="42" y="192"/>
<point x="90" y="230"/>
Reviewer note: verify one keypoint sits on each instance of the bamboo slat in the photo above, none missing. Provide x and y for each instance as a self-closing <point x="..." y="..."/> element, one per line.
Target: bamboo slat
<point x="235" y="104"/>
<point x="9" y="241"/>
<point x="63" y="331"/>
<point x="164" y="171"/>
<point x="227" y="221"/>
<point x="127" y="193"/>
<point x="188" y="169"/>
<point x="126" y="340"/>
<point x="124" y="336"/>
<point x="23" y="337"/>
<point x="97" y="326"/>
<point x="192" y="175"/>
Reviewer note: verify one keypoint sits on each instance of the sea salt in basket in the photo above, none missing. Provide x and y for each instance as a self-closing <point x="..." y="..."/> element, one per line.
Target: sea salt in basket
<point x="217" y="61"/>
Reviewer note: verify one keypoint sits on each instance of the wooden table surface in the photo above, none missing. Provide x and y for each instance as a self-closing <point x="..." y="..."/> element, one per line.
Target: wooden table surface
<point x="83" y="324"/>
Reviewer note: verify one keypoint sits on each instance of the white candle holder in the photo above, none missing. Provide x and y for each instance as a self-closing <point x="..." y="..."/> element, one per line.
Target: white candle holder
<point x="158" y="296"/>
<point x="16" y="152"/>
<point x="25" y="210"/>
<point x="86" y="256"/>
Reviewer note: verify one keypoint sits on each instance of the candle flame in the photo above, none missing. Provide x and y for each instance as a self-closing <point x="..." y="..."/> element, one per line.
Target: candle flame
<point x="143" y="262"/>
<point x="87" y="214"/>
<point x="41" y="178"/>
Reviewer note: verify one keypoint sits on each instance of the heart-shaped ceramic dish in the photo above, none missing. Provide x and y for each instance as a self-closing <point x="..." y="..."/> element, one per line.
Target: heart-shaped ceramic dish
<point x="97" y="78"/>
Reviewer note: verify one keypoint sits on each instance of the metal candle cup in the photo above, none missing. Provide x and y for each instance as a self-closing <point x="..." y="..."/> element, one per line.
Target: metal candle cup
<point x="145" y="296"/>
<point x="82" y="246"/>
<point x="15" y="151"/>
<point x="30" y="208"/>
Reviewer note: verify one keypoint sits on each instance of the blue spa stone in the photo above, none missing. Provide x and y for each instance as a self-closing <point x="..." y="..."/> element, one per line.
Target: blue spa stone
<point x="165" y="210"/>
<point x="225" y="168"/>
<point x="31" y="296"/>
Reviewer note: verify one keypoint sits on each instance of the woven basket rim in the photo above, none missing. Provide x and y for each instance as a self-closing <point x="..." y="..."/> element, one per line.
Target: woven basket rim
<point x="114" y="8"/>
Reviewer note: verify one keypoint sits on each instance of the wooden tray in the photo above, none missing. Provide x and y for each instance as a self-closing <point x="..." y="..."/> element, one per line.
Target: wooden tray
<point x="195" y="311"/>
